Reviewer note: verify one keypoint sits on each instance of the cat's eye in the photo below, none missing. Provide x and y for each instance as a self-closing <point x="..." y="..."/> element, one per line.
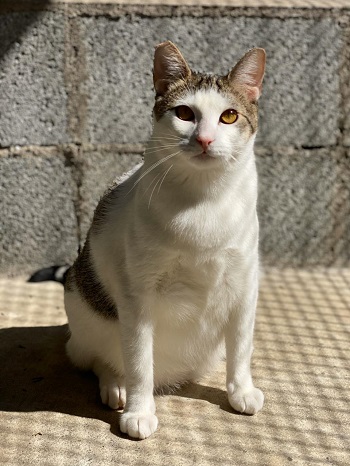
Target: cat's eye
<point x="184" y="113"/>
<point x="229" y="116"/>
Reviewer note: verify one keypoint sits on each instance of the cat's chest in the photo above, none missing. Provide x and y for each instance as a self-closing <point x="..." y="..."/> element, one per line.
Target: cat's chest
<point x="203" y="228"/>
<point x="183" y="273"/>
<point x="186" y="287"/>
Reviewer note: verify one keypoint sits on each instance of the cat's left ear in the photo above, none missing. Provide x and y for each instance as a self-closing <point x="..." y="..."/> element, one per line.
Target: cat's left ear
<point x="249" y="73"/>
<point x="169" y="66"/>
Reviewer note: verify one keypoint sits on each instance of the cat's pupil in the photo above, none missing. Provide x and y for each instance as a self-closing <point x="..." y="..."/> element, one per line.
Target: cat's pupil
<point x="184" y="113"/>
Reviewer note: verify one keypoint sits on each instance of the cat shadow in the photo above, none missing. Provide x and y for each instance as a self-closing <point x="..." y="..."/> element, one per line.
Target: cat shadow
<point x="212" y="395"/>
<point x="36" y="375"/>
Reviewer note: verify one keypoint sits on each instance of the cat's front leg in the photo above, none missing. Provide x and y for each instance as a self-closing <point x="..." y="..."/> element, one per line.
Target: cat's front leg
<point x="242" y="395"/>
<point x="138" y="419"/>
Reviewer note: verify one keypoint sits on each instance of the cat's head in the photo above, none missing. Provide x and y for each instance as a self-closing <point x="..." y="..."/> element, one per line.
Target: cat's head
<point x="206" y="119"/>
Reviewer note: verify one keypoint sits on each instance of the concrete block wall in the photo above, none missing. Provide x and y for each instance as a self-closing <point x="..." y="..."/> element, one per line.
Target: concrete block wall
<point x="75" y="111"/>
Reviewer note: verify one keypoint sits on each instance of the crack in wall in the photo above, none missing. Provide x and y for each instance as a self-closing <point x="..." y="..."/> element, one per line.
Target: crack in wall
<point x="75" y="75"/>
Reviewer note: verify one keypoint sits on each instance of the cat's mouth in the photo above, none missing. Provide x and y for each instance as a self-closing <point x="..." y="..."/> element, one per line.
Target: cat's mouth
<point x="204" y="159"/>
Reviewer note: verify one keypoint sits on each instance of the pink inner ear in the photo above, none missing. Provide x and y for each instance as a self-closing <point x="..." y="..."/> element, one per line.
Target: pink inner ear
<point x="169" y="65"/>
<point x="249" y="73"/>
<point x="253" y="92"/>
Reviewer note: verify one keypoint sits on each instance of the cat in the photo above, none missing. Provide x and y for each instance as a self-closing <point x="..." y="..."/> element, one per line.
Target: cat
<point x="168" y="276"/>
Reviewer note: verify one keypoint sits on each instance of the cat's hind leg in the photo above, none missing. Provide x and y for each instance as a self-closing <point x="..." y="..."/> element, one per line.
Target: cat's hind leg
<point x="112" y="386"/>
<point x="78" y="355"/>
<point x="94" y="345"/>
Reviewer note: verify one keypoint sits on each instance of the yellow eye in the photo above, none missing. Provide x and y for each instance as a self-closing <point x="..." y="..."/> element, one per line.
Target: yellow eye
<point x="184" y="113"/>
<point x="229" y="116"/>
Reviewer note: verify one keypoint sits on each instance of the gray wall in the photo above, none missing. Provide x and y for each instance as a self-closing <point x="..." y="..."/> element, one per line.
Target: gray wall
<point x="75" y="110"/>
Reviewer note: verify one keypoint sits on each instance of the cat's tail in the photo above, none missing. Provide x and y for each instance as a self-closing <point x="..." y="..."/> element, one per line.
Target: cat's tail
<point x="56" y="273"/>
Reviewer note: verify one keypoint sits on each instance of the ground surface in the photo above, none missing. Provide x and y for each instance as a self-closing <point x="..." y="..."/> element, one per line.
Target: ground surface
<point x="51" y="413"/>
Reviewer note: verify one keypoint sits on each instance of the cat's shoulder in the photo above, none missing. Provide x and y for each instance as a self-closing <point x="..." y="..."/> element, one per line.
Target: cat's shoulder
<point x="115" y="192"/>
<point x="123" y="179"/>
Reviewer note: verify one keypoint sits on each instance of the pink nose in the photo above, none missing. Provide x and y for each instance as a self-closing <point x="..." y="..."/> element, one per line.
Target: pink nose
<point x="204" y="142"/>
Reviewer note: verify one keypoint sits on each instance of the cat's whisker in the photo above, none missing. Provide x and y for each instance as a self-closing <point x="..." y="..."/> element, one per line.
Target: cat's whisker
<point x="231" y="156"/>
<point x="161" y="179"/>
<point x="160" y="138"/>
<point x="167" y="135"/>
<point x="168" y="170"/>
<point x="159" y="175"/>
<point x="163" y="149"/>
<point x="152" y="167"/>
<point x="160" y="148"/>
<point x="165" y="143"/>
<point x="150" y="198"/>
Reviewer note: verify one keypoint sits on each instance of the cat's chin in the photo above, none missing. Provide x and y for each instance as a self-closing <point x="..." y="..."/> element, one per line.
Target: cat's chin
<point x="205" y="160"/>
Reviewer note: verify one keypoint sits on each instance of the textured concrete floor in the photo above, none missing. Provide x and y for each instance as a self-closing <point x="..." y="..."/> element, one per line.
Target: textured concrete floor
<point x="51" y="413"/>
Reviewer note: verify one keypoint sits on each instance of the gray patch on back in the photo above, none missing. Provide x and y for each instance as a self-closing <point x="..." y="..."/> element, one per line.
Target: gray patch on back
<point x="83" y="277"/>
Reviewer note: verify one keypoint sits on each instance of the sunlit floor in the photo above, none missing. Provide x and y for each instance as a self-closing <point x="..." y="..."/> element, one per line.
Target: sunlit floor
<point x="51" y="413"/>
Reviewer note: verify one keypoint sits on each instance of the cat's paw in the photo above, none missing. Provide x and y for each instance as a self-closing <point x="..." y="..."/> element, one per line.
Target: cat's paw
<point x="246" y="401"/>
<point x="113" y="394"/>
<point x="138" y="425"/>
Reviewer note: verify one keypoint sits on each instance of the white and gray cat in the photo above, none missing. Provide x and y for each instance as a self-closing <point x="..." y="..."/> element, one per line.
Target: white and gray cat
<point x="168" y="277"/>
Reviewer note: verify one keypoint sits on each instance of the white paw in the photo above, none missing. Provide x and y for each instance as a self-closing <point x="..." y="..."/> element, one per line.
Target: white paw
<point x="113" y="394"/>
<point x="246" y="401"/>
<point x="138" y="425"/>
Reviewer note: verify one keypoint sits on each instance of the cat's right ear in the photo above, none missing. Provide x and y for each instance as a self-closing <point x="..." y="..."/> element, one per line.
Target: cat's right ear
<point x="249" y="73"/>
<point x="169" y="66"/>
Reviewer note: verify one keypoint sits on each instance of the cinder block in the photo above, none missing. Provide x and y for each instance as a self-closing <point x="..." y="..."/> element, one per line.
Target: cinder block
<point x="99" y="167"/>
<point x="38" y="224"/>
<point x="304" y="207"/>
<point x="301" y="99"/>
<point x="32" y="93"/>
<point x="341" y="234"/>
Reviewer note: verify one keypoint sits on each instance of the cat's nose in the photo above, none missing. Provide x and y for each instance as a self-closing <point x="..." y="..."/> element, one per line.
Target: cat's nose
<point x="204" y="142"/>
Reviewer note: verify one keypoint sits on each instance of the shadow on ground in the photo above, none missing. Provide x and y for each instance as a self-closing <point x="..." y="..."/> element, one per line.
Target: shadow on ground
<point x="36" y="375"/>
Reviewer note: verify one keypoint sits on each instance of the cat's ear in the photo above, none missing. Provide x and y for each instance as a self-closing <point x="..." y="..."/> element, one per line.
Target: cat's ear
<point x="169" y="66"/>
<point x="249" y="73"/>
